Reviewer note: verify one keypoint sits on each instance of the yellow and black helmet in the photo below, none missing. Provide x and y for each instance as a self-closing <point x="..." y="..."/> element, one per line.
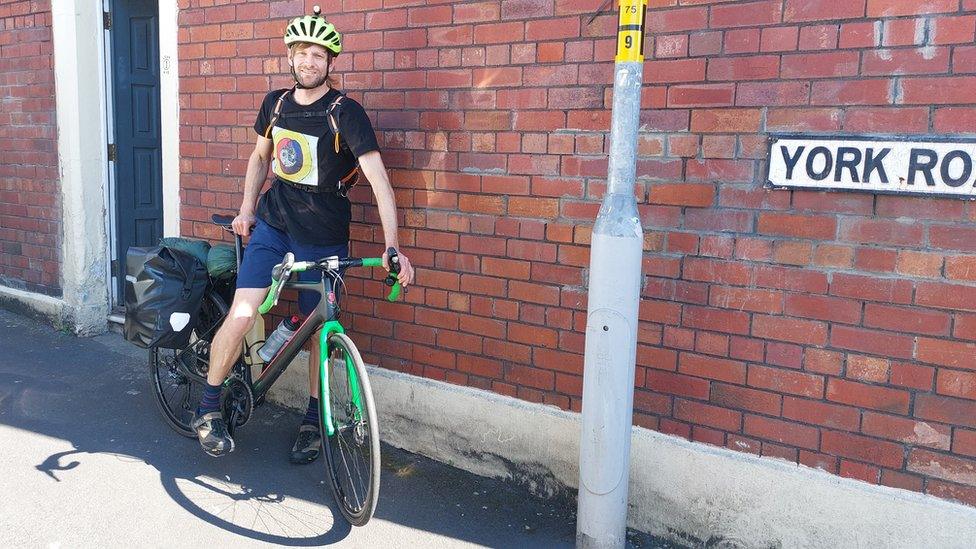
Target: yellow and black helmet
<point x="314" y="29"/>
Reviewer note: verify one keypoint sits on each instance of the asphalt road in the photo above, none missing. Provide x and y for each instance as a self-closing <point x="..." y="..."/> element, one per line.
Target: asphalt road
<point x="87" y="461"/>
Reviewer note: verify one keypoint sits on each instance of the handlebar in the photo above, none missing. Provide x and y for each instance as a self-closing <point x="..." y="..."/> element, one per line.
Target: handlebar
<point x="282" y="271"/>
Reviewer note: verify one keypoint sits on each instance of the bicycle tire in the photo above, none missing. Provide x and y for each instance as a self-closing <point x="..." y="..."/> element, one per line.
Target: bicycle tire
<point x="185" y="391"/>
<point x="356" y="496"/>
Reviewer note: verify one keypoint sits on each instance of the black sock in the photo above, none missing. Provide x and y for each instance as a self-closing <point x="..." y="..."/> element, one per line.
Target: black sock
<point x="210" y="401"/>
<point x="312" y="412"/>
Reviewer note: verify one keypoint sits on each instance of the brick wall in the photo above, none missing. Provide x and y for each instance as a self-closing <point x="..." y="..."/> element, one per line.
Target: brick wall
<point x="30" y="214"/>
<point x="833" y="330"/>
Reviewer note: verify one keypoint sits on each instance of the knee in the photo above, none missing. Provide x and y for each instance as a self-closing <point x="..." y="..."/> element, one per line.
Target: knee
<point x="240" y="319"/>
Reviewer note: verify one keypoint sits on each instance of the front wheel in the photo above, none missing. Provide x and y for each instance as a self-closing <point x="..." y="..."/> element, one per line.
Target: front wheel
<point x="353" y="451"/>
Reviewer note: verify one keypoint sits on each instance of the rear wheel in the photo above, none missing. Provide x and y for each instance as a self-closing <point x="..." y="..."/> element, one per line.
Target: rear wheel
<point x="178" y="390"/>
<point x="353" y="451"/>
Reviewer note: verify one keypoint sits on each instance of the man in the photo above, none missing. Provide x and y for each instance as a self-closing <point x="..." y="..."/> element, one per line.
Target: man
<point x="305" y="211"/>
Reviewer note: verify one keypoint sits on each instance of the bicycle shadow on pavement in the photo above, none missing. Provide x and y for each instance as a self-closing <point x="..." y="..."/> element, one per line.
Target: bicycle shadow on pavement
<point x="102" y="406"/>
<point x="100" y="403"/>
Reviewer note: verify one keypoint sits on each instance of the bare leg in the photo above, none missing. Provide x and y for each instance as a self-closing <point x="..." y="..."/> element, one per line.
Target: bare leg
<point x="226" y="345"/>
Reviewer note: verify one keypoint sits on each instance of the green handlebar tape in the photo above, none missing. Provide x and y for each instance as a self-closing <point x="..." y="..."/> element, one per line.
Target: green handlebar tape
<point x="372" y="262"/>
<point x="269" y="300"/>
<point x="394" y="293"/>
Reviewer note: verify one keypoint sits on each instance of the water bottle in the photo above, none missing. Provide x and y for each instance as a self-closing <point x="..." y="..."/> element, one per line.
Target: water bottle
<point x="282" y="333"/>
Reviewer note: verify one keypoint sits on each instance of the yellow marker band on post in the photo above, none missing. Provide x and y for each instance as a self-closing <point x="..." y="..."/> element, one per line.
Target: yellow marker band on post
<point x="630" y="31"/>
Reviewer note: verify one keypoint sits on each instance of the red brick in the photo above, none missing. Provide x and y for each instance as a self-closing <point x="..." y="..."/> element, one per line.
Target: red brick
<point x="823" y="308"/>
<point x="746" y="299"/>
<point x="915" y="433"/>
<point x="957" y="384"/>
<point x="820" y="65"/>
<point x="964" y="442"/>
<point x="859" y="471"/>
<point x="881" y="231"/>
<point x="784" y="381"/>
<point x="735" y="322"/>
<point x="818" y="37"/>
<point x="953" y="30"/>
<point x="717" y="271"/>
<point x="897" y="479"/>
<point x="851" y="92"/>
<point x="795" y="119"/>
<point x="676" y="20"/>
<point x="746" y="14"/>
<point x="823" y="361"/>
<point x="954" y="238"/>
<point x="712" y="344"/>
<point x="948" y="490"/>
<point x="954" y="119"/>
<point x="786" y="278"/>
<point x="677" y="384"/>
<point x="871" y="450"/>
<point x="682" y="194"/>
<point x="720" y="369"/>
<point x="799" y="226"/>
<point x="789" y="329"/>
<point x="779" y="39"/>
<point x="725" y="120"/>
<point x="912" y="376"/>
<point x="931" y="60"/>
<point x="953" y="411"/>
<point x="819" y="10"/>
<point x="779" y="451"/>
<point x="704" y="414"/>
<point x="859" y="34"/>
<point x="732" y="396"/>
<point x="867" y="368"/>
<point x="895" y="8"/>
<point x="821" y="413"/>
<point x="743" y="348"/>
<point x="674" y="70"/>
<point x="742" y="41"/>
<point x="782" y="431"/>
<point x="954" y="469"/>
<point x="868" y="396"/>
<point x="875" y="259"/>
<point x="911" y="320"/>
<point x="930" y="91"/>
<point x="872" y="288"/>
<point x="784" y="354"/>
<point x="964" y="327"/>
<point x="919" y="263"/>
<point x="955" y="354"/>
<point x="751" y="94"/>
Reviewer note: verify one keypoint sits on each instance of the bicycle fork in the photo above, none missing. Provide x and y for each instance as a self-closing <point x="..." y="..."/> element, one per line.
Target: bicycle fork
<point x="351" y="375"/>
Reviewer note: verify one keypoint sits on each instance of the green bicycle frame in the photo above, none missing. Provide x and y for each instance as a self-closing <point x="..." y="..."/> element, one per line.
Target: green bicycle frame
<point x="325" y="313"/>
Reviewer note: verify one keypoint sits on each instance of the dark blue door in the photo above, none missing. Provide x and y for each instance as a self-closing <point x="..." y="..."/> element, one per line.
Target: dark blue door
<point x="138" y="165"/>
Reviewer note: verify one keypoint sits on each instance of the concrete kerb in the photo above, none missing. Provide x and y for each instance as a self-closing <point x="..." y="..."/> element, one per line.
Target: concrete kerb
<point x="689" y="492"/>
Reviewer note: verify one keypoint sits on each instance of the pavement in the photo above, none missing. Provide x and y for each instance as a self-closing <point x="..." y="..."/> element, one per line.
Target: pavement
<point x="87" y="461"/>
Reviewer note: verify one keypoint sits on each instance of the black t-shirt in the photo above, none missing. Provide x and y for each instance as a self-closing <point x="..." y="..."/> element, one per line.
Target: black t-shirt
<point x="304" y="157"/>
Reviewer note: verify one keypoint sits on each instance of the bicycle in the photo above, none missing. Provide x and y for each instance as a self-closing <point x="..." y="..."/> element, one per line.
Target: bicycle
<point x="347" y="413"/>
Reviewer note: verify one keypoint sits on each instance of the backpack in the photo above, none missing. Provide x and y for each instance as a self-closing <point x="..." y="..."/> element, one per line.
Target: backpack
<point x="331" y="114"/>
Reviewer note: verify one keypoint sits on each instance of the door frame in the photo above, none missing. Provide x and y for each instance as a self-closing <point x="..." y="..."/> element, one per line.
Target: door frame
<point x="89" y="223"/>
<point x="169" y="108"/>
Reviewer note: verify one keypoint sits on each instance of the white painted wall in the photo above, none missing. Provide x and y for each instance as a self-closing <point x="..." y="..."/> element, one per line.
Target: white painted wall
<point x="82" y="156"/>
<point x="170" y="114"/>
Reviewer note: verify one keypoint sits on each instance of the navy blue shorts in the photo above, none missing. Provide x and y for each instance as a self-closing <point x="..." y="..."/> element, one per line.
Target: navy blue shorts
<point x="268" y="247"/>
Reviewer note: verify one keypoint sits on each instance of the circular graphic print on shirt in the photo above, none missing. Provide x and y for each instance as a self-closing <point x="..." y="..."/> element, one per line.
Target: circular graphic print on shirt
<point x="294" y="156"/>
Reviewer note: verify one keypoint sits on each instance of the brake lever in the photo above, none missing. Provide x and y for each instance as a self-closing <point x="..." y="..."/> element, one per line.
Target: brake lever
<point x="394" y="263"/>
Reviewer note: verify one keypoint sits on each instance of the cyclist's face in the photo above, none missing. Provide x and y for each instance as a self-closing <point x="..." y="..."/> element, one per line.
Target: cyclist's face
<point x="311" y="64"/>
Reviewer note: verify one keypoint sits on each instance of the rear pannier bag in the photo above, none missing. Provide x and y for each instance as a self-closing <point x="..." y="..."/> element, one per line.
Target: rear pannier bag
<point x="164" y="289"/>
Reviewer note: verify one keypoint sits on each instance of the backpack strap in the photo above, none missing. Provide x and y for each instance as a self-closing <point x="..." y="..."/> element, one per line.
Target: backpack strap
<point x="349" y="180"/>
<point x="277" y="112"/>
<point x="333" y="122"/>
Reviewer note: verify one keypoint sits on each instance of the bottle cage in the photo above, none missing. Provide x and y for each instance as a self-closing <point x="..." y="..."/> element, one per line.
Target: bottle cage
<point x="345" y="182"/>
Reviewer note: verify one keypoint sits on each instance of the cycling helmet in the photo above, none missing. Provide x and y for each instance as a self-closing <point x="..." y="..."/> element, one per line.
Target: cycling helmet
<point x="314" y="29"/>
